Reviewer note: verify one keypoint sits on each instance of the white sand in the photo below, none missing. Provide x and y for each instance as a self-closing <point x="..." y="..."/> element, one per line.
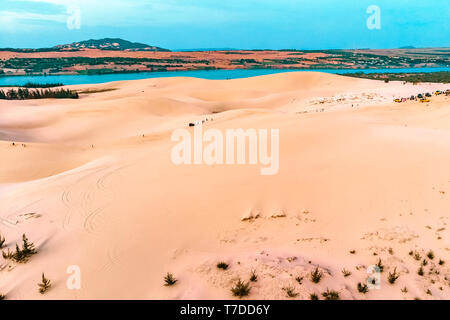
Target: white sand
<point x="90" y="190"/>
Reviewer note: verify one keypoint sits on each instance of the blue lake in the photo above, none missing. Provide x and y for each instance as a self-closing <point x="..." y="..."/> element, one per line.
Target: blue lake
<point x="204" y="74"/>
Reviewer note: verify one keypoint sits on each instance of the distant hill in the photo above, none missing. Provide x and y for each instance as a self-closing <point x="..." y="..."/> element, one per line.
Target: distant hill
<point x="408" y="47"/>
<point x="109" y="44"/>
<point x="101" y="44"/>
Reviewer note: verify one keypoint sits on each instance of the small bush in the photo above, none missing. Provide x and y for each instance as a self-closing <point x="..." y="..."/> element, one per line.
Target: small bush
<point x="362" y="287"/>
<point x="424" y="262"/>
<point x="290" y="292"/>
<point x="44" y="285"/>
<point x="169" y="280"/>
<point x="254" y="276"/>
<point x="21" y="255"/>
<point x="316" y="275"/>
<point x="331" y="295"/>
<point x="27" y="247"/>
<point x="430" y="255"/>
<point x="299" y="280"/>
<point x="405" y="290"/>
<point x="346" y="273"/>
<point x="420" y="272"/>
<point x="380" y="265"/>
<point x="392" y="277"/>
<point x="241" y="289"/>
<point x="417" y="256"/>
<point x="2" y="241"/>
<point x="222" y="265"/>
<point x="2" y="297"/>
<point x="353" y="251"/>
<point x="441" y="262"/>
<point x="8" y="255"/>
<point x="313" y="296"/>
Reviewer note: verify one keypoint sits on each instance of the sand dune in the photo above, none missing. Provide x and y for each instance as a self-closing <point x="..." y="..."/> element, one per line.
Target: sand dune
<point x="91" y="183"/>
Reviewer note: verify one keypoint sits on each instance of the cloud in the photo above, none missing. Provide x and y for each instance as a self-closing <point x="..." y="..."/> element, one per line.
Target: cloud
<point x="12" y="15"/>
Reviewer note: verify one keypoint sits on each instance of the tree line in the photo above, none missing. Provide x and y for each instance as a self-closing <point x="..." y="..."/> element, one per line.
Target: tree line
<point x="25" y="94"/>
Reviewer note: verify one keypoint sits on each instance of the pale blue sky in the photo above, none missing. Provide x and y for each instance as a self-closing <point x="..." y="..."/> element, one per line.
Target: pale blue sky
<point x="182" y="24"/>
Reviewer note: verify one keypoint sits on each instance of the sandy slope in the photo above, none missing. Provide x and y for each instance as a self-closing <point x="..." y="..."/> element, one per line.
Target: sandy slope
<point x="91" y="183"/>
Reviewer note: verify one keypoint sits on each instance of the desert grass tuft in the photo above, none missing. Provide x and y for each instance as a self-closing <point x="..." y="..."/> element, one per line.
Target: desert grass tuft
<point x="430" y="255"/>
<point x="313" y="296"/>
<point x="253" y="276"/>
<point x="44" y="285"/>
<point x="346" y="273"/>
<point x="380" y="265"/>
<point x="420" y="272"/>
<point x="316" y="275"/>
<point x="2" y="241"/>
<point x="392" y="277"/>
<point x="241" y="289"/>
<point x="290" y="292"/>
<point x="331" y="295"/>
<point x="362" y="288"/>
<point x="169" y="280"/>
